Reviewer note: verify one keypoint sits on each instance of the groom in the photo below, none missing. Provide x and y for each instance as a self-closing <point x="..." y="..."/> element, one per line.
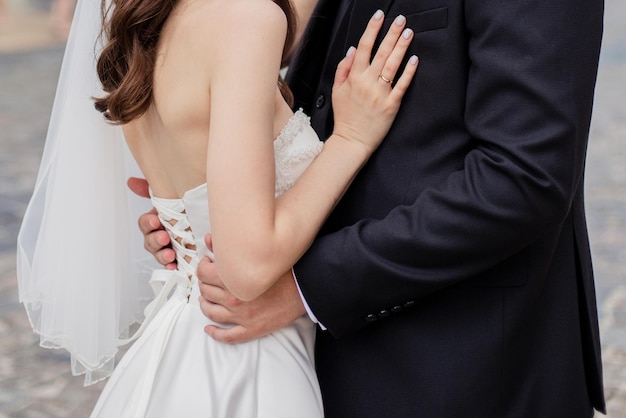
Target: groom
<point x="454" y="278"/>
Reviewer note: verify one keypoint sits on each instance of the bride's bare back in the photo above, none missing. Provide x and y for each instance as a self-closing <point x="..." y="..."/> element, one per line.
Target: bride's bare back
<point x="196" y="45"/>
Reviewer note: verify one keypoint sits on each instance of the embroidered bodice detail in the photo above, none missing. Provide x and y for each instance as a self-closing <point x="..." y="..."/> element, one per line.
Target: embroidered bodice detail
<point x="288" y="157"/>
<point x="187" y="219"/>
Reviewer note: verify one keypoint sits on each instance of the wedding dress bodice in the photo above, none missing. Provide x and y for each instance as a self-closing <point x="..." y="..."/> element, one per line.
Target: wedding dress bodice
<point x="187" y="219"/>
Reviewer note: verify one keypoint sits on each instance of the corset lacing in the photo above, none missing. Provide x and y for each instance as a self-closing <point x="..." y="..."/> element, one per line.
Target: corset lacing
<point x="173" y="217"/>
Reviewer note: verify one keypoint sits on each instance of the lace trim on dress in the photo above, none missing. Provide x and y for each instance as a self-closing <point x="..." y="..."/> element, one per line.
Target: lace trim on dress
<point x="287" y="158"/>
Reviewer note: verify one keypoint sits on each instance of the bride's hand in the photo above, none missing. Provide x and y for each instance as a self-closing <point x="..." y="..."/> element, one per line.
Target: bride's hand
<point x="365" y="97"/>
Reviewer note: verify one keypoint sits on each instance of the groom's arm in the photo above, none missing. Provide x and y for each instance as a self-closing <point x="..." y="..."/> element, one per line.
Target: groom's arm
<point x="273" y="310"/>
<point x="528" y="105"/>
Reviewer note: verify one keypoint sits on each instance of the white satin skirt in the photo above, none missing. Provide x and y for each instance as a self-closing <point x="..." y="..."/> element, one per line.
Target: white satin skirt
<point x="176" y="370"/>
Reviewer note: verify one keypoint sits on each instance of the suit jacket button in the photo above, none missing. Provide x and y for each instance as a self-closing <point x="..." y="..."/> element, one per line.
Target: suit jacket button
<point x="371" y="318"/>
<point x="384" y="313"/>
<point x="409" y="304"/>
<point x="396" y="309"/>
<point x="320" y="101"/>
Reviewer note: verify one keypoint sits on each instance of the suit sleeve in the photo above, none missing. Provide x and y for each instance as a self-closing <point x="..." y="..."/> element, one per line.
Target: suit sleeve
<point x="529" y="95"/>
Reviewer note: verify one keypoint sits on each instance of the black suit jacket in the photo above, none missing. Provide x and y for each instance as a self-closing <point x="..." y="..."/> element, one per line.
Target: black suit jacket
<point x="455" y="276"/>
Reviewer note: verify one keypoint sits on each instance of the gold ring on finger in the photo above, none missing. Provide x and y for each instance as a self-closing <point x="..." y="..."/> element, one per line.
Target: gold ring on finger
<point x="385" y="79"/>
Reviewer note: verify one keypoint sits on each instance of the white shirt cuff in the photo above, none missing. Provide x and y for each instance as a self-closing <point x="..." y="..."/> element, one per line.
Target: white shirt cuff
<point x="306" y="305"/>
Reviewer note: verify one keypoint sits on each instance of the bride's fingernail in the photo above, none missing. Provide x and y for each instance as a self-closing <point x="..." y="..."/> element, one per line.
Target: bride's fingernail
<point x="406" y="34"/>
<point x="350" y="51"/>
<point x="413" y="60"/>
<point x="400" y="20"/>
<point x="378" y="15"/>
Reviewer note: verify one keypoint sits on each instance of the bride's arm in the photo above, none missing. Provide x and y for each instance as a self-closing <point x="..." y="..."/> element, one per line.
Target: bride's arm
<point x="257" y="237"/>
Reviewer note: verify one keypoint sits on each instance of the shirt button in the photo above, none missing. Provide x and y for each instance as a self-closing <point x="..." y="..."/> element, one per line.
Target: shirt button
<point x="370" y="318"/>
<point x="320" y="101"/>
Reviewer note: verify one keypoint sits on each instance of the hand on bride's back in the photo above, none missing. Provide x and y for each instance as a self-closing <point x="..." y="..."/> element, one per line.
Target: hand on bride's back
<point x="365" y="97"/>
<point x="156" y="239"/>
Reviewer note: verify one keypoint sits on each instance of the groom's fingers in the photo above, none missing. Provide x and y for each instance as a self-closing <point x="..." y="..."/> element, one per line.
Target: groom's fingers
<point x="234" y="335"/>
<point x="218" y="295"/>
<point x="155" y="240"/>
<point x="207" y="273"/>
<point x="167" y="258"/>
<point x="215" y="312"/>
<point x="149" y="222"/>
<point x="138" y="186"/>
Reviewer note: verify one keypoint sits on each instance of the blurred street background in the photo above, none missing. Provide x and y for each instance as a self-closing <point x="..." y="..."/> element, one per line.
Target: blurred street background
<point x="36" y="382"/>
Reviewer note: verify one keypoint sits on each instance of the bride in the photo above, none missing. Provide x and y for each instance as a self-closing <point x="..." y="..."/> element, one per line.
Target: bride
<point x="194" y="87"/>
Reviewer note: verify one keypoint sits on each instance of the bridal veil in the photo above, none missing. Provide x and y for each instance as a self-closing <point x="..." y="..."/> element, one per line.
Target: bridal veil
<point x="80" y="256"/>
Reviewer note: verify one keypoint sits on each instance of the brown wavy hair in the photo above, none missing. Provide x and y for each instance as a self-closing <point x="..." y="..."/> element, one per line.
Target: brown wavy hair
<point x="131" y="29"/>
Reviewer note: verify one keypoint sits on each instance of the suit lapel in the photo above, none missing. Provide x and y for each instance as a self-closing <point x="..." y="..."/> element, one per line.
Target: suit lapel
<point x="307" y="64"/>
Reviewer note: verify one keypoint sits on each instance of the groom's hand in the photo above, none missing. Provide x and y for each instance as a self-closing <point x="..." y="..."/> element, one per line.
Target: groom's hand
<point x="273" y="310"/>
<point x="156" y="239"/>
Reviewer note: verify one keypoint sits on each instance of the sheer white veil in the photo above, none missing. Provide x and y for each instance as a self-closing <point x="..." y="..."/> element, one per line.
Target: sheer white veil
<point x="82" y="270"/>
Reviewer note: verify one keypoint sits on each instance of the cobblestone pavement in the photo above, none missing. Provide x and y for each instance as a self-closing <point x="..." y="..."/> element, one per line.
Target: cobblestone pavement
<point x="36" y="383"/>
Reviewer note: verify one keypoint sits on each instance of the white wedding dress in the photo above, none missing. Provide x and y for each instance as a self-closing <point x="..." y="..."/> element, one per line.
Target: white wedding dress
<point x="176" y="370"/>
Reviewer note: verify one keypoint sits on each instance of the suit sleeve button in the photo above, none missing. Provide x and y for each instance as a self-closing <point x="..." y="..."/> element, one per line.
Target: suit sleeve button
<point x="409" y="304"/>
<point x="384" y="313"/>
<point x="371" y="318"/>
<point x="396" y="309"/>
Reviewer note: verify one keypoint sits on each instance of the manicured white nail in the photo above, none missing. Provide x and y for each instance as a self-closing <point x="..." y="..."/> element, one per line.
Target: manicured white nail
<point x="350" y="51"/>
<point x="413" y="60"/>
<point x="378" y="15"/>
<point x="406" y="34"/>
<point x="400" y="20"/>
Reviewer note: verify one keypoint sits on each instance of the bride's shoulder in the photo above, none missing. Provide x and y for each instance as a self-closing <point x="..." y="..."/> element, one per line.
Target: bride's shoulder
<point x="239" y="29"/>
<point x="213" y="31"/>
<point x="254" y="11"/>
<point x="224" y="36"/>
<point x="233" y="18"/>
